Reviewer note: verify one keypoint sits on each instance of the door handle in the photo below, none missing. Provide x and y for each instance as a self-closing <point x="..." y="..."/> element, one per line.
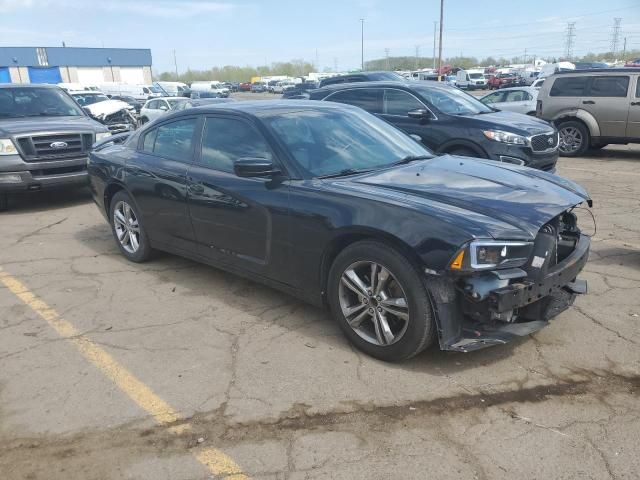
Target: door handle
<point x="635" y="103"/>
<point x="588" y="102"/>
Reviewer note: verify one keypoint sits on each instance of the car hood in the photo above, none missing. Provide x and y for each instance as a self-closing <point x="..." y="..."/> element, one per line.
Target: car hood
<point x="498" y="199"/>
<point x="107" y="107"/>
<point x="41" y="125"/>
<point x="510" y="121"/>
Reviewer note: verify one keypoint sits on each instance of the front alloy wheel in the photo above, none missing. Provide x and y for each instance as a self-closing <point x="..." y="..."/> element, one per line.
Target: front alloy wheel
<point x="574" y="139"/>
<point x="373" y="303"/>
<point x="380" y="301"/>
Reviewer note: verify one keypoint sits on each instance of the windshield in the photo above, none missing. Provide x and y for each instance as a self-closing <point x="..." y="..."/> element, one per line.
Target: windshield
<point x="476" y="75"/>
<point x="452" y="101"/>
<point x="174" y="101"/>
<point x="85" y="99"/>
<point x="327" y="142"/>
<point x="34" y="102"/>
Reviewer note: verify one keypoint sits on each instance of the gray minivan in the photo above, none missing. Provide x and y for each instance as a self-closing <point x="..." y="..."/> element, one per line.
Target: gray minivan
<point x="592" y="108"/>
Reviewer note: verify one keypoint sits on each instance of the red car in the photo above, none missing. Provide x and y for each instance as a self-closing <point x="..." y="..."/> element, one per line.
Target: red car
<point x="633" y="63"/>
<point x="502" y="80"/>
<point x="244" y="87"/>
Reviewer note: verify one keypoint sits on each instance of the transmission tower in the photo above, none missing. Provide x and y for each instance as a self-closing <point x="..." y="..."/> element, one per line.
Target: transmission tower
<point x="615" y="35"/>
<point x="571" y="34"/>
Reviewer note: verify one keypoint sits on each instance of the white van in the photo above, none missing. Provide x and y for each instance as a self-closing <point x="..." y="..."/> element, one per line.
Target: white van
<point x="139" y="92"/>
<point x="471" y="80"/>
<point x="210" y="86"/>
<point x="174" y="89"/>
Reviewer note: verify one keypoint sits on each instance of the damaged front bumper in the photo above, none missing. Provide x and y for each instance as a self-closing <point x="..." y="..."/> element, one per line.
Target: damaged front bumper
<point x="521" y="304"/>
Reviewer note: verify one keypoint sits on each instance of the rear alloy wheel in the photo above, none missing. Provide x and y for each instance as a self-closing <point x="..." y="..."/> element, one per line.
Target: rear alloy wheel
<point x="380" y="301"/>
<point x="574" y="139"/>
<point x="127" y="229"/>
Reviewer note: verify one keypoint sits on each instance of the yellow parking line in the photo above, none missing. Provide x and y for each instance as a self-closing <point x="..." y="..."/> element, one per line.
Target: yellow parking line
<point x="214" y="460"/>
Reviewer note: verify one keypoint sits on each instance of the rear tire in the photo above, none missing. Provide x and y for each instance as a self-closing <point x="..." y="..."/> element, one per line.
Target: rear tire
<point x="391" y="317"/>
<point x="574" y="138"/>
<point x="128" y="229"/>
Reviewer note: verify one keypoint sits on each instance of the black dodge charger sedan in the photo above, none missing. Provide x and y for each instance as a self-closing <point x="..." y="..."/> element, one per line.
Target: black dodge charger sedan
<point x="448" y="120"/>
<point x="339" y="208"/>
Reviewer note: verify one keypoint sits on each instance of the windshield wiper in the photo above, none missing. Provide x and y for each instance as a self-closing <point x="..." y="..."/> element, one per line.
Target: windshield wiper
<point x="345" y="172"/>
<point x="411" y="158"/>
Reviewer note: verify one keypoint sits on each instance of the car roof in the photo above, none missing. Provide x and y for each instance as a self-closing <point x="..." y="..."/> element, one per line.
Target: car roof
<point x="527" y="87"/>
<point x="388" y="84"/>
<point x="261" y="108"/>
<point x="599" y="71"/>
<point x="27" y="85"/>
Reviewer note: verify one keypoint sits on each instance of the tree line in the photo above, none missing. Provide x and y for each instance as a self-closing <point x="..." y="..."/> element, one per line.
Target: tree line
<point x="298" y="67"/>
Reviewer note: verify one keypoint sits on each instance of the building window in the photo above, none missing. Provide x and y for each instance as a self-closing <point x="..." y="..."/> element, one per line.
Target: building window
<point x="43" y="60"/>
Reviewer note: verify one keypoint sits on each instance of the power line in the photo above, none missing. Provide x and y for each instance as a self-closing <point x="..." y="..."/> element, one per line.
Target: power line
<point x="615" y="36"/>
<point x="571" y="28"/>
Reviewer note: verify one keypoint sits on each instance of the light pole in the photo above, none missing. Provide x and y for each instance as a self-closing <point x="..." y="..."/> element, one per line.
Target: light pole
<point x="440" y="41"/>
<point x="362" y="43"/>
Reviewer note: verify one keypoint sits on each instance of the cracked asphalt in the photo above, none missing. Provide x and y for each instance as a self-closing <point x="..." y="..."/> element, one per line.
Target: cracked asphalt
<point x="272" y="383"/>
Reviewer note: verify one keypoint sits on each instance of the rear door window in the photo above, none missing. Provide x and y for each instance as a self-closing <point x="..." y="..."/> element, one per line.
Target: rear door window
<point x="569" y="86"/>
<point x="369" y="99"/>
<point x="609" y="86"/>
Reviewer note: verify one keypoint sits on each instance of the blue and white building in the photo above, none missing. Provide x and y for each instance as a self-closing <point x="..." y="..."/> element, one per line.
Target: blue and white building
<point x="87" y="66"/>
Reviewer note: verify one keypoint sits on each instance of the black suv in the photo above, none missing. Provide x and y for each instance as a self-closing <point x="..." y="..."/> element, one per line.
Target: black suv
<point x="45" y="138"/>
<point x="448" y="120"/>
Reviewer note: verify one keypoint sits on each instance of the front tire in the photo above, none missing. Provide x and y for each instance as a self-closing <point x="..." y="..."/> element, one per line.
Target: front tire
<point x="574" y="138"/>
<point x="380" y="302"/>
<point x="127" y="228"/>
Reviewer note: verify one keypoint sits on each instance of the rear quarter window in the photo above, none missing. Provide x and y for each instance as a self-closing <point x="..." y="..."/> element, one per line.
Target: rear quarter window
<point x="609" y="86"/>
<point x="569" y="86"/>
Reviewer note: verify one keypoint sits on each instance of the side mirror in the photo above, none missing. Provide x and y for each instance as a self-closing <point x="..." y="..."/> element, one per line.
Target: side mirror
<point x="87" y="111"/>
<point x="254" y="167"/>
<point x="419" y="113"/>
<point x="417" y="138"/>
<point x="164" y="108"/>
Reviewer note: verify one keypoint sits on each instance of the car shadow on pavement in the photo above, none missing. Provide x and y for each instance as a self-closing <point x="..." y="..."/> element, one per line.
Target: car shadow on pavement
<point x="47" y="200"/>
<point x="193" y="281"/>
<point x="619" y="153"/>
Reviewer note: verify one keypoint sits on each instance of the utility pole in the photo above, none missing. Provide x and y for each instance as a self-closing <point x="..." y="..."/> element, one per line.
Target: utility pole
<point x="624" y="48"/>
<point x="615" y="36"/>
<point x="386" y="56"/>
<point x="440" y="41"/>
<point x="335" y="64"/>
<point x="435" y="26"/>
<point x="571" y="33"/>
<point x="175" y="64"/>
<point x="525" y="57"/>
<point x="417" y="56"/>
<point x="362" y="44"/>
<point x="317" y="61"/>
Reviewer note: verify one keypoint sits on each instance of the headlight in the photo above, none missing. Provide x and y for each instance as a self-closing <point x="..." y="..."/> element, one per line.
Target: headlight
<point x="486" y="254"/>
<point x="7" y="147"/>
<point x="505" y="137"/>
<point x="102" y="136"/>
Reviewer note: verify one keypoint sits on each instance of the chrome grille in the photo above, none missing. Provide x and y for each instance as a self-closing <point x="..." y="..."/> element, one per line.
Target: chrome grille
<point x="59" y="146"/>
<point x="544" y="142"/>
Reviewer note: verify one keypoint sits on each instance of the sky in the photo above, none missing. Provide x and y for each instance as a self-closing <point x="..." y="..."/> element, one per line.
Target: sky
<point x="206" y="33"/>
